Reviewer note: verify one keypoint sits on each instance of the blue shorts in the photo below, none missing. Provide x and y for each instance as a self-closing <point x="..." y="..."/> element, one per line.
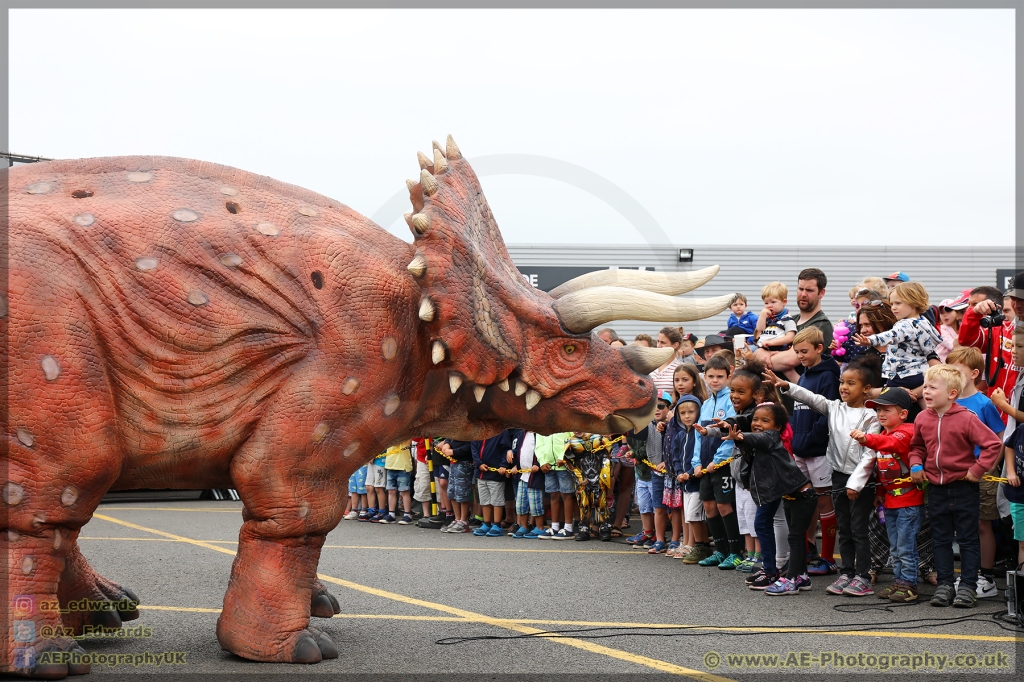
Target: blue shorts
<point x="643" y="496"/>
<point x="399" y="480"/>
<point x="657" y="490"/>
<point x="560" y="481"/>
<point x="460" y="482"/>
<point x="357" y="481"/>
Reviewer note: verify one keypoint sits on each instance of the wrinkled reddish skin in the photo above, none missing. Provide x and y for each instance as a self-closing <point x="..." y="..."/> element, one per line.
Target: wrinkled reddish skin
<point x="245" y="391"/>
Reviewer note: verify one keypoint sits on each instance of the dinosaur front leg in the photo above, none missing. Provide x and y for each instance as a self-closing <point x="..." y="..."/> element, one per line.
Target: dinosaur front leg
<point x="267" y="605"/>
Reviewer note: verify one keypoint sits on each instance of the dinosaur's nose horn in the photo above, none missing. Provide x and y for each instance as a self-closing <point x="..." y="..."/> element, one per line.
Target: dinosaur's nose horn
<point x="643" y="360"/>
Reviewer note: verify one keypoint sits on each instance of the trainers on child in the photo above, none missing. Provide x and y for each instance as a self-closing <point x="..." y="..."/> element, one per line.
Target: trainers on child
<point x="819" y="566"/>
<point x="965" y="598"/>
<point x="944" y="595"/>
<point x="713" y="560"/>
<point x="986" y="588"/>
<point x="747" y="565"/>
<point x="639" y="537"/>
<point x="387" y="518"/>
<point x="564" y="534"/>
<point x="751" y="578"/>
<point x="903" y="593"/>
<point x="351" y="515"/>
<point x="697" y="554"/>
<point x="858" y="587"/>
<point x="520" y="533"/>
<point x="841" y="583"/>
<point x="366" y="514"/>
<point x="885" y="593"/>
<point x="802" y="582"/>
<point x="537" y="532"/>
<point x="547" y="534"/>
<point x="730" y="562"/>
<point x="405" y="520"/>
<point x="782" y="587"/>
<point x="761" y="581"/>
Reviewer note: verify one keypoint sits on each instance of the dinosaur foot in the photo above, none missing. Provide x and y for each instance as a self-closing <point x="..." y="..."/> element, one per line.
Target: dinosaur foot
<point x="104" y="604"/>
<point x="323" y="604"/>
<point x="54" y="659"/>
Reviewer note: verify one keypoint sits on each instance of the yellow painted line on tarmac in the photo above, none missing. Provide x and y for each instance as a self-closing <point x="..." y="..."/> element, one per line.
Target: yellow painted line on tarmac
<point x="663" y="666"/>
<point x="100" y="537"/>
<point x="233" y="510"/>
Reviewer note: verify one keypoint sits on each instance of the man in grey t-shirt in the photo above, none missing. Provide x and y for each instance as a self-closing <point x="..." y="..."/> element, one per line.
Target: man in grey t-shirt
<point x="809" y="292"/>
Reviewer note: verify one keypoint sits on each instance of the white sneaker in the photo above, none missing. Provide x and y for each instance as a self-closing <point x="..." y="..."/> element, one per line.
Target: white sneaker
<point x="986" y="588"/>
<point x="351" y="516"/>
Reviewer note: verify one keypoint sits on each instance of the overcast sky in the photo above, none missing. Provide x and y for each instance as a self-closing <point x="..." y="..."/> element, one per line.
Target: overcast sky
<point x="746" y="126"/>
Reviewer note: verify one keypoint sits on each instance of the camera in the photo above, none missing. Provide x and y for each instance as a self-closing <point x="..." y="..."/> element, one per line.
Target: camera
<point x="993" y="320"/>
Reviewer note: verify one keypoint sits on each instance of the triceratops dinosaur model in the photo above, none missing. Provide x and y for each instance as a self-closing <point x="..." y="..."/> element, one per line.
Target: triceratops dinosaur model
<point x="179" y="324"/>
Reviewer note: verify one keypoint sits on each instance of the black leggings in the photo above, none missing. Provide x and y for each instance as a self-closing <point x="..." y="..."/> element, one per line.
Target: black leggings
<point x="852" y="518"/>
<point x="798" y="515"/>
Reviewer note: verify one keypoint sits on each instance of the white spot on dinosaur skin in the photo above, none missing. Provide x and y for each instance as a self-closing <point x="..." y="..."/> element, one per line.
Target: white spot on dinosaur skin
<point x="40" y="188"/>
<point x="308" y="211"/>
<point x="27" y="564"/>
<point x="304" y="510"/>
<point x="351" y="449"/>
<point x="350" y="386"/>
<point x="320" y="432"/>
<point x="26" y="438"/>
<point x="38" y="519"/>
<point x="391" y="405"/>
<point x="389" y="347"/>
<point x="139" y="176"/>
<point x="228" y="190"/>
<point x="230" y="260"/>
<point x="197" y="298"/>
<point x="69" y="496"/>
<point x="269" y="229"/>
<point x="56" y="538"/>
<point x="51" y="368"/>
<point x="85" y="219"/>
<point x="146" y="263"/>
<point x="13" y="535"/>
<point x="183" y="215"/>
<point x="13" y="493"/>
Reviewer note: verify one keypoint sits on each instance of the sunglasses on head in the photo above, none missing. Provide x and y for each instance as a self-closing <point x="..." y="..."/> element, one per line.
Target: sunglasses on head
<point x="868" y="304"/>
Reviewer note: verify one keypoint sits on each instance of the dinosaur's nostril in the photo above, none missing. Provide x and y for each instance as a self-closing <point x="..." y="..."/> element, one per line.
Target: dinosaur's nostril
<point x="318" y="279"/>
<point x="81" y="193"/>
<point x="233" y="207"/>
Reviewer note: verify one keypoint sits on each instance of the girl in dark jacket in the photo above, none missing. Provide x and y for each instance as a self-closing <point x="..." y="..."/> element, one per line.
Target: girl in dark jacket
<point x="773" y="478"/>
<point x="679" y="442"/>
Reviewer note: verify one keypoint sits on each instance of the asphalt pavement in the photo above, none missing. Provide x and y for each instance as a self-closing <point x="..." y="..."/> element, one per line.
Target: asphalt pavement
<point x="408" y="593"/>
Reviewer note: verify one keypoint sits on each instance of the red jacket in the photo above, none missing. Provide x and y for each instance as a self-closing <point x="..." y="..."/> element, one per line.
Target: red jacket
<point x="974" y="335"/>
<point x="944" y="444"/>
<point x="893" y="447"/>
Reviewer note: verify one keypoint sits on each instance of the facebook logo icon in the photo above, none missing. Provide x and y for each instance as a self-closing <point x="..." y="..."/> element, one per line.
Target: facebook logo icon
<point x="25" y="657"/>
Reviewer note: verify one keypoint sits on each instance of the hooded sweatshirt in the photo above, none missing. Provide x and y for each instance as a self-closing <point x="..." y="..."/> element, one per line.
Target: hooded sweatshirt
<point x="844" y="454"/>
<point x="492" y="452"/>
<point x="550" y="449"/>
<point x="810" y="428"/>
<point x="705" y="450"/>
<point x="944" y="444"/>
<point x="679" y="442"/>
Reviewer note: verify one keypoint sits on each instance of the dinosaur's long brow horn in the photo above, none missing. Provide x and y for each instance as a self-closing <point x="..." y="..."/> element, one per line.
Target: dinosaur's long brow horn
<point x="668" y="283"/>
<point x="584" y="310"/>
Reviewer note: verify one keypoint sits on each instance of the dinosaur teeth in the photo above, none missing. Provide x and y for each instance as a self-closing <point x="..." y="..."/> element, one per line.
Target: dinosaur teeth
<point x="423" y="160"/>
<point x="426" y="310"/>
<point x="452" y="149"/>
<point x="454" y="381"/>
<point x="440" y="163"/>
<point x="418" y="265"/>
<point x="521" y="388"/>
<point x="504" y="384"/>
<point x="532" y="398"/>
<point x="428" y="182"/>
<point x="478" y="392"/>
<point x="437" y="353"/>
<point x="420" y="222"/>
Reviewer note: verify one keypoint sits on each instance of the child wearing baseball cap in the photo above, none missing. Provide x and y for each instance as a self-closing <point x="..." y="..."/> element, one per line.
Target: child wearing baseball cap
<point x="903" y="499"/>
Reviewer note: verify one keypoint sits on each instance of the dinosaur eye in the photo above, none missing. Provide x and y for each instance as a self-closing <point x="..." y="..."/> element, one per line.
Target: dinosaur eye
<point x="570" y="349"/>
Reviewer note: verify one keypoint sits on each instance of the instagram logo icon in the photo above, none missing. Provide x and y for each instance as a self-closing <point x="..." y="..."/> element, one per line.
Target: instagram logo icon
<point x="24" y="605"/>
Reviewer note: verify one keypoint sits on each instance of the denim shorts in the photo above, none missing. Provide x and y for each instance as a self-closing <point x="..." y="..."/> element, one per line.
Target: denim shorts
<point x="399" y="480"/>
<point x="657" y="490"/>
<point x="460" y="482"/>
<point x="643" y="496"/>
<point x="560" y="481"/>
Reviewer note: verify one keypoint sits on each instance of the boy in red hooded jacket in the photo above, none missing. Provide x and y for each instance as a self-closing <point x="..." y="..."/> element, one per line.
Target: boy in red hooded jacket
<point x="942" y="452"/>
<point x="903" y="499"/>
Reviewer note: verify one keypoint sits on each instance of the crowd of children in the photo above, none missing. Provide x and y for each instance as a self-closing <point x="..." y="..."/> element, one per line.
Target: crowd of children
<point x="891" y="433"/>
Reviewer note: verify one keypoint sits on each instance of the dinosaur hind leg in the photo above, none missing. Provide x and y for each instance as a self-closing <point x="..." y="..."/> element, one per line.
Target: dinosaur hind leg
<point x="95" y="601"/>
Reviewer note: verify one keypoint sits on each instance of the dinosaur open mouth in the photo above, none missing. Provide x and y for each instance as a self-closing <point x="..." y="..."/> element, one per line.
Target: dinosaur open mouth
<point x="638" y="419"/>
